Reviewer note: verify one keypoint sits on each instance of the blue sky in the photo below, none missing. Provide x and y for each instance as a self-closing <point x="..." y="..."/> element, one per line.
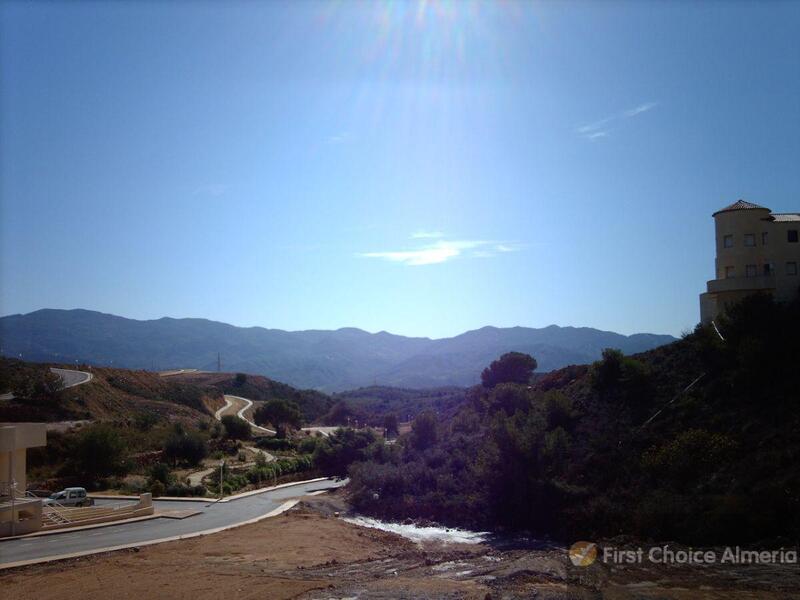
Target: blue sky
<point x="418" y="168"/>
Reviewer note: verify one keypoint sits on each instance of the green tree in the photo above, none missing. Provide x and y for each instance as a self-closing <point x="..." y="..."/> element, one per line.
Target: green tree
<point x="100" y="452"/>
<point x="185" y="447"/>
<point x="513" y="367"/>
<point x="240" y="379"/>
<point x="336" y="453"/>
<point x="390" y="425"/>
<point x="236" y="428"/>
<point x="424" y="430"/>
<point x="280" y="414"/>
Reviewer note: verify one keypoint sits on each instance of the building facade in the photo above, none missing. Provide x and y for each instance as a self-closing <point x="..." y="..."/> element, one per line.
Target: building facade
<point x="757" y="251"/>
<point x="19" y="514"/>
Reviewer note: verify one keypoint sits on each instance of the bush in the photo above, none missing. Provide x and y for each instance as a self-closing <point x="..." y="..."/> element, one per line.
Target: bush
<point x="336" y="453"/>
<point x="186" y="447"/>
<point x="236" y="428"/>
<point x="181" y="490"/>
<point x="99" y="452"/>
<point x="161" y="472"/>
<point x="280" y="414"/>
<point x="268" y="443"/>
<point x="157" y="489"/>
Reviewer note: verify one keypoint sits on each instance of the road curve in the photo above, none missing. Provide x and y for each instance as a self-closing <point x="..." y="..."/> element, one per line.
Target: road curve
<point x="244" y="404"/>
<point x="71" y="378"/>
<point x="211" y="516"/>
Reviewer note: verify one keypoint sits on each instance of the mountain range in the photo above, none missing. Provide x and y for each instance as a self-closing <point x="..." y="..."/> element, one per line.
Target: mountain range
<point x="331" y="361"/>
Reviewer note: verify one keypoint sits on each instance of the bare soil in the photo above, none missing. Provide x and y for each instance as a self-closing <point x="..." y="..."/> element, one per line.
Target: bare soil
<point x="309" y="553"/>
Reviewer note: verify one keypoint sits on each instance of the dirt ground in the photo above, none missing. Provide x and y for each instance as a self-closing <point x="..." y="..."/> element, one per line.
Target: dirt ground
<point x="308" y="553"/>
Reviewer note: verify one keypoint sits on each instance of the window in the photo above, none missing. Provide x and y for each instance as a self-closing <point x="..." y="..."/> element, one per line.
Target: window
<point x="751" y="270"/>
<point x="764" y="238"/>
<point x="792" y="236"/>
<point x="727" y="241"/>
<point x="730" y="272"/>
<point x="769" y="269"/>
<point x="791" y="268"/>
<point x="750" y="239"/>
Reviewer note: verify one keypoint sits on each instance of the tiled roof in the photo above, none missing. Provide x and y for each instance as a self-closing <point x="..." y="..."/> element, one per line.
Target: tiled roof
<point x="741" y="205"/>
<point x="784" y="217"/>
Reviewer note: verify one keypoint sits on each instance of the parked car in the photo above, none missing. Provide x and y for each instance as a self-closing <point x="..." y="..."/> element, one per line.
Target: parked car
<point x="73" y="496"/>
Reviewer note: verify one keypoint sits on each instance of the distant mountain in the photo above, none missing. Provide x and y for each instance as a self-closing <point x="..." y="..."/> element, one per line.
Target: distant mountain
<point x="327" y="360"/>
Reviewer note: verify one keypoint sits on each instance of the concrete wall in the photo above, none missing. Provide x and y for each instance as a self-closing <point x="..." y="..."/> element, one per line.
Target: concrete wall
<point x="15" y="439"/>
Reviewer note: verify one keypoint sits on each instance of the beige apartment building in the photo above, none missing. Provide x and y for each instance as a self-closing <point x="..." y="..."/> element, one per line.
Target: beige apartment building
<point x="19" y="513"/>
<point x="757" y="251"/>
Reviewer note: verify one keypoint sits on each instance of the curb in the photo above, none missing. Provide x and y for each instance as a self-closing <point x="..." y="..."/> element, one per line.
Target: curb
<point x="211" y="500"/>
<point x="33" y="561"/>
<point x="81" y="528"/>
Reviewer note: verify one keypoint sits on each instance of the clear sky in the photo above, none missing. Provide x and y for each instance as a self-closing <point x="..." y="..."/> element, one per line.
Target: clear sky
<point x="418" y="168"/>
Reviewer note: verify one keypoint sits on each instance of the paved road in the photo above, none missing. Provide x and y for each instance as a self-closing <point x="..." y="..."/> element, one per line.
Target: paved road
<point x="212" y="516"/>
<point x="72" y="378"/>
<point x="326" y="431"/>
<point x="69" y="377"/>
<point x="236" y="405"/>
<point x="179" y="372"/>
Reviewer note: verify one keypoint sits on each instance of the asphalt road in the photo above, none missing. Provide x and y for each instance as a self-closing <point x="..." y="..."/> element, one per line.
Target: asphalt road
<point x="72" y="378"/>
<point x="69" y="377"/>
<point x="236" y="405"/>
<point x="212" y="516"/>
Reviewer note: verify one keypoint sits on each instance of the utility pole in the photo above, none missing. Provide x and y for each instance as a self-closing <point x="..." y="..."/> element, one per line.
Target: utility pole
<point x="219" y="363"/>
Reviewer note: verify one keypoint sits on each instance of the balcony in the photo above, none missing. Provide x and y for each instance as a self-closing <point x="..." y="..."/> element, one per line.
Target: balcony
<point x="758" y="283"/>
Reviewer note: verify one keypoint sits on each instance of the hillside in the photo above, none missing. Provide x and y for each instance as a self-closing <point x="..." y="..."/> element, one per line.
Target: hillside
<point x="112" y="395"/>
<point x="326" y="360"/>
<point x="312" y="404"/>
<point x="617" y="447"/>
<point x="371" y="404"/>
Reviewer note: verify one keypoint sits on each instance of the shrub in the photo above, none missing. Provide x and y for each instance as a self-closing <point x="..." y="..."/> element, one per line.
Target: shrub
<point x="181" y="490"/>
<point x="161" y="472"/>
<point x="236" y="428"/>
<point x="157" y="489"/>
<point x="189" y="448"/>
<point x="280" y="414"/>
<point x="99" y="452"/>
<point x="268" y="443"/>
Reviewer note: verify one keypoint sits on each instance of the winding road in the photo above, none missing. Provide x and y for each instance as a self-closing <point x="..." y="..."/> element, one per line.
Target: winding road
<point x="69" y="377"/>
<point x="237" y="406"/>
<point x="211" y="517"/>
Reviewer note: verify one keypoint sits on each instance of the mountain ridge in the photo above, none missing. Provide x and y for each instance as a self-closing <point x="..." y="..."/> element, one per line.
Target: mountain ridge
<point x="330" y="360"/>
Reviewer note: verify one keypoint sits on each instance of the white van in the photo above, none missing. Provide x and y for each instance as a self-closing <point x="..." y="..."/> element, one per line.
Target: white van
<point x="74" y="496"/>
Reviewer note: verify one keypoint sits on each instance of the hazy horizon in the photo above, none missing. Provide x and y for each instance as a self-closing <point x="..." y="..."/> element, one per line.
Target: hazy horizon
<point x="420" y="168"/>
<point x="371" y="332"/>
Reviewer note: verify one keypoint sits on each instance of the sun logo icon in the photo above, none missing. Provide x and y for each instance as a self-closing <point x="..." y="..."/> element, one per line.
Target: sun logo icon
<point x="582" y="554"/>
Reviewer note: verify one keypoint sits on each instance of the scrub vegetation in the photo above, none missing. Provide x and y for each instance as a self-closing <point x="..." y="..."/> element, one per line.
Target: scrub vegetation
<point x="612" y="448"/>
